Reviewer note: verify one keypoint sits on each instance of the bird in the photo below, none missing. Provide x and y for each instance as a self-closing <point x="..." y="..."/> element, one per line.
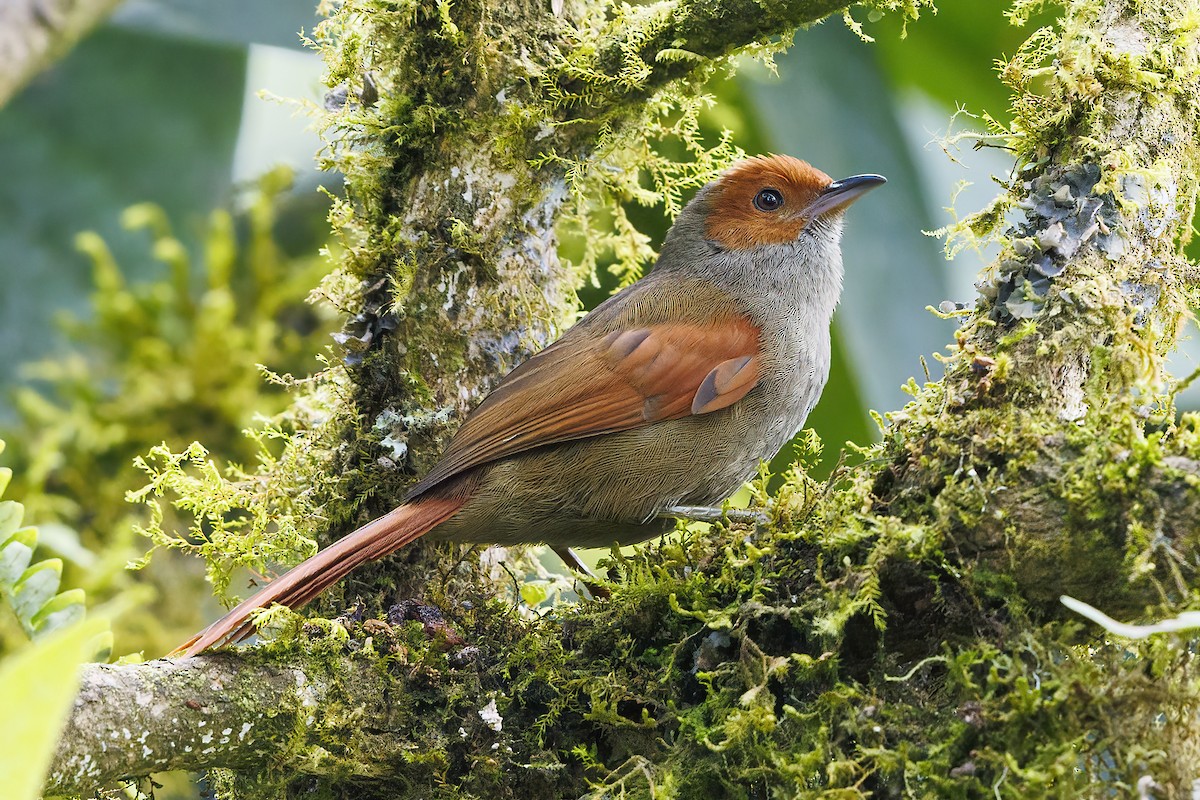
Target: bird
<point x="668" y="394"/>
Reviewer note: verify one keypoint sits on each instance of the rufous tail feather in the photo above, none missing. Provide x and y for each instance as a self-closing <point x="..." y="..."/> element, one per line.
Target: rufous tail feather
<point x="376" y="539"/>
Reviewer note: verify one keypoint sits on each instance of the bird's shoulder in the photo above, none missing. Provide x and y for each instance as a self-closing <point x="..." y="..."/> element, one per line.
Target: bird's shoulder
<point x="663" y="297"/>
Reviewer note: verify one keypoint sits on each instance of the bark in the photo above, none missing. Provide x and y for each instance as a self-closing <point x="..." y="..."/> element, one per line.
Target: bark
<point x="896" y="633"/>
<point x="36" y="33"/>
<point x="216" y="710"/>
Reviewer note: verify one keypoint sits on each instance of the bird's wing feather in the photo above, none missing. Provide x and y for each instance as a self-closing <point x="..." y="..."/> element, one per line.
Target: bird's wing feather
<point x="598" y="382"/>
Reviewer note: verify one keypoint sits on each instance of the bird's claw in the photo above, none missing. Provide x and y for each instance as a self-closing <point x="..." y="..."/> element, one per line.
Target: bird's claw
<point x="590" y="581"/>
<point x="744" y="516"/>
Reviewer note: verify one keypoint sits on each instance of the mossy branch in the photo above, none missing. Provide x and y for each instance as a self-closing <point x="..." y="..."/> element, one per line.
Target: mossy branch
<point x="673" y="40"/>
<point x="485" y="705"/>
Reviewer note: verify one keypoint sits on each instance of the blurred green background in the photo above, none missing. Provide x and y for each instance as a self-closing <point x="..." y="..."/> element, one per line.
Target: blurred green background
<point x="161" y="105"/>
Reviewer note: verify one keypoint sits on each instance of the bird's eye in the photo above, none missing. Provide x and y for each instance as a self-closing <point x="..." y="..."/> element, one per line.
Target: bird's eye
<point x="768" y="200"/>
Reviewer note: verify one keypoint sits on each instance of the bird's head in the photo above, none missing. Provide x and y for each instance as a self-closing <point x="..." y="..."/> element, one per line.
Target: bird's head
<point x="772" y="200"/>
<point x="768" y="226"/>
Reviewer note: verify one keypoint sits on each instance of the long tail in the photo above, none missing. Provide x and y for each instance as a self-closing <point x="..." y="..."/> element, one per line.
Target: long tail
<point x="297" y="586"/>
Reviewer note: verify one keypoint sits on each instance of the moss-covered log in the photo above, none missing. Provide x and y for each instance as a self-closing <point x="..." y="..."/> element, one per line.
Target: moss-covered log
<point x="758" y="661"/>
<point x="894" y="633"/>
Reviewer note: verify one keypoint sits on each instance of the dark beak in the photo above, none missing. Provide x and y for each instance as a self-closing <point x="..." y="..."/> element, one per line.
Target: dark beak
<point x="839" y="194"/>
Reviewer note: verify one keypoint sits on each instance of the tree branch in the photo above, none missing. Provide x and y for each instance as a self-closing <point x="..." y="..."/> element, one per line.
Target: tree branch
<point x="371" y="706"/>
<point x="36" y="33"/>
<point x="212" y="711"/>
<point x="706" y="30"/>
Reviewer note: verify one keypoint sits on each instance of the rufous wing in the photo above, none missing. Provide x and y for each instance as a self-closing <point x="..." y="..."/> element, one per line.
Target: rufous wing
<point x="605" y="382"/>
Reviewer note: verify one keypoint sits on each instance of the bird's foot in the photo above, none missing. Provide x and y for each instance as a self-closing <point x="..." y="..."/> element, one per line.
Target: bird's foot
<point x="744" y="516"/>
<point x="590" y="581"/>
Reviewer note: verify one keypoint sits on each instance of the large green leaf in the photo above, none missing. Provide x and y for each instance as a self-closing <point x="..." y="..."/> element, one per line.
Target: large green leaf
<point x="37" y="687"/>
<point x="951" y="55"/>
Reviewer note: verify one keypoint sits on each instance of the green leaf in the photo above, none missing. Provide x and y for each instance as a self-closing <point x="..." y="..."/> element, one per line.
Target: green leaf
<point x="534" y="594"/>
<point x="37" y="586"/>
<point x="32" y="591"/>
<point x="15" y="555"/>
<point x="11" y="513"/>
<point x="37" y="687"/>
<point x="62" y="611"/>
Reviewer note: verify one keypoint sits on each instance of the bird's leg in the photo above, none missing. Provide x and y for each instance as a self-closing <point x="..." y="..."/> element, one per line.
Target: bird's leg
<point x="589" y="579"/>
<point x="572" y="560"/>
<point x="708" y="514"/>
